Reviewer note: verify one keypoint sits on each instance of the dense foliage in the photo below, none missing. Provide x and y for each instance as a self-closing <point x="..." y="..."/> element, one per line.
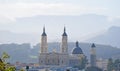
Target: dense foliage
<point x="82" y="64"/>
<point x="4" y="66"/>
<point x="113" y="64"/>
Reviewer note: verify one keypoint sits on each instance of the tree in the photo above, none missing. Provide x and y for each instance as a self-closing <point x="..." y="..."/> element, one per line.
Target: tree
<point x="4" y="66"/>
<point x="22" y="70"/>
<point x="82" y="63"/>
<point x="116" y="64"/>
<point x="10" y="68"/>
<point x="110" y="65"/>
<point x="5" y="56"/>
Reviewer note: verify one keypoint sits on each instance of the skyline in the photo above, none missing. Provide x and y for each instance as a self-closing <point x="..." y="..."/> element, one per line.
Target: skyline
<point x="59" y="35"/>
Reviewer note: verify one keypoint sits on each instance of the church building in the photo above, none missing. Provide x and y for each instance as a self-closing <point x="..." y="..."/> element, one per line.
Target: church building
<point x="62" y="58"/>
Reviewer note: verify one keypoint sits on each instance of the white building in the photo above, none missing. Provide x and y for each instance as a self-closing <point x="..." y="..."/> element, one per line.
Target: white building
<point x="102" y="63"/>
<point x="59" y="59"/>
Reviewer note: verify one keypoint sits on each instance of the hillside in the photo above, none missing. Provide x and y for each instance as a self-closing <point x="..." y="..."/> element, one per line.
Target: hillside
<point x="24" y="52"/>
<point x="110" y="37"/>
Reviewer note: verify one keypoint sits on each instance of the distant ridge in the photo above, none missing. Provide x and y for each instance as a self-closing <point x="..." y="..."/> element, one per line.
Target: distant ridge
<point x="86" y="24"/>
<point x="25" y="54"/>
<point x="110" y="37"/>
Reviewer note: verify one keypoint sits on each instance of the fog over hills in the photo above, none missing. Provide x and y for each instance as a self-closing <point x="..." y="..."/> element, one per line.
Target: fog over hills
<point x="110" y="37"/>
<point x="80" y="27"/>
<point x="14" y="43"/>
<point x="11" y="37"/>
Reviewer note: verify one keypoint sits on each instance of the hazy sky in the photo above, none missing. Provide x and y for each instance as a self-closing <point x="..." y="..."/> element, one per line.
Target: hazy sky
<point x="21" y="8"/>
<point x="12" y="9"/>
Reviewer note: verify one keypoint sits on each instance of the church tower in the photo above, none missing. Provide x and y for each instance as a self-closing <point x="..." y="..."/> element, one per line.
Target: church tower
<point x="44" y="47"/>
<point x="64" y="46"/>
<point x="93" y="55"/>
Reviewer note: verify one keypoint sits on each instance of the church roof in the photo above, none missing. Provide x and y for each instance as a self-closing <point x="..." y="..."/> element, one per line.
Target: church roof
<point x="93" y="45"/>
<point x="64" y="34"/>
<point x="77" y="50"/>
<point x="44" y="34"/>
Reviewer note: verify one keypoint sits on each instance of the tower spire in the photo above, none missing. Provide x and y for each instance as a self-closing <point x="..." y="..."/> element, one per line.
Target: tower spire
<point x="93" y="55"/>
<point x="44" y="42"/>
<point x="64" y="34"/>
<point x="64" y="47"/>
<point x="77" y="44"/>
<point x="64" y="29"/>
<point x="44" y="34"/>
<point x="44" y="29"/>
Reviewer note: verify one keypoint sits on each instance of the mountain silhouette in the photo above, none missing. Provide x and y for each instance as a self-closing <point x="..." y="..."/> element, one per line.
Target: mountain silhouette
<point x="110" y="37"/>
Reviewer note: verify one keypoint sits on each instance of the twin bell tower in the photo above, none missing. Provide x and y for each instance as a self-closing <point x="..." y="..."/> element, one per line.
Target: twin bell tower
<point x="64" y="43"/>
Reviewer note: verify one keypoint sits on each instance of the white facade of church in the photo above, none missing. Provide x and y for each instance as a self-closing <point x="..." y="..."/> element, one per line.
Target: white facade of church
<point x="62" y="58"/>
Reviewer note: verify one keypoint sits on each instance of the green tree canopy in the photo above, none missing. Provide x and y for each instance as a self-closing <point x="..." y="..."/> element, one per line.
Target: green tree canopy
<point x="4" y="66"/>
